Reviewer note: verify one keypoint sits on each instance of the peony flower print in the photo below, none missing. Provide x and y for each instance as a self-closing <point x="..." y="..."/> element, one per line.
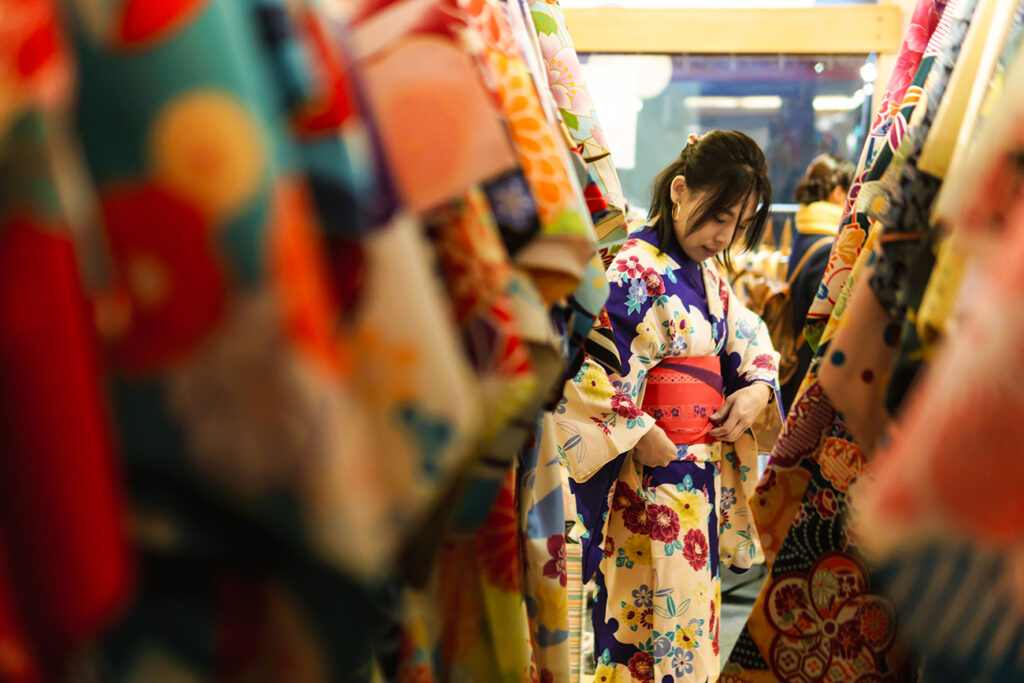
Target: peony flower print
<point x="695" y="549"/>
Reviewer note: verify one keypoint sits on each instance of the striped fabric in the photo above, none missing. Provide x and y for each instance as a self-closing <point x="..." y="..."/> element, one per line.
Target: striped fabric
<point x="600" y="346"/>
<point x="959" y="607"/>
<point x="577" y="613"/>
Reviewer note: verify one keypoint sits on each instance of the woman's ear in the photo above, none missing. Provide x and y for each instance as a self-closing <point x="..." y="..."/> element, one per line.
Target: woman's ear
<point x="678" y="189"/>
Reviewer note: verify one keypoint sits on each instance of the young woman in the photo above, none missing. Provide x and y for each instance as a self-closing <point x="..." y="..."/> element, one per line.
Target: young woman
<point x="659" y="457"/>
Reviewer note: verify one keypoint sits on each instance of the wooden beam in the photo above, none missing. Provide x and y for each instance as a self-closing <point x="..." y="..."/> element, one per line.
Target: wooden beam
<point x="851" y="29"/>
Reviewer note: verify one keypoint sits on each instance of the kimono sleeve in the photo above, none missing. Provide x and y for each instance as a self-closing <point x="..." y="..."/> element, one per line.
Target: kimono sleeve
<point x="749" y="354"/>
<point x="599" y="418"/>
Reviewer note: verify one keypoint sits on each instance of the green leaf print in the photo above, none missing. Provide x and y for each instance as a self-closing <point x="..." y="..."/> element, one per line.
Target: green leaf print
<point x="571" y="120"/>
<point x="747" y="543"/>
<point x="570" y="223"/>
<point x="669" y="549"/>
<point x="544" y="23"/>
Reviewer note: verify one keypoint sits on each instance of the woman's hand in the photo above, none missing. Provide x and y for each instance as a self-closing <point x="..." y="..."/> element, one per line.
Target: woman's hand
<point x="654" y="448"/>
<point x="739" y="411"/>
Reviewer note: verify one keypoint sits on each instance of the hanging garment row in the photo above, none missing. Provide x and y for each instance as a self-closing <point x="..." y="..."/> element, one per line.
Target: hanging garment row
<point x="286" y="290"/>
<point x="885" y="488"/>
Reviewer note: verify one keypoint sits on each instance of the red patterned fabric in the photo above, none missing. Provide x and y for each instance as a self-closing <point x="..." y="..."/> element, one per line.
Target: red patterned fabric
<point x="682" y="403"/>
<point x="61" y="512"/>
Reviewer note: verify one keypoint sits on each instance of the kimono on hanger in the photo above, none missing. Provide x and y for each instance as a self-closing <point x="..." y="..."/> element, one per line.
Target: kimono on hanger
<point x="253" y="248"/>
<point x="882" y="310"/>
<point x="935" y="526"/>
<point x="803" y="495"/>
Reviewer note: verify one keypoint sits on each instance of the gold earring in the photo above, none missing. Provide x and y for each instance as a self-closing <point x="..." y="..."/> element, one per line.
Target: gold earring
<point x="675" y="212"/>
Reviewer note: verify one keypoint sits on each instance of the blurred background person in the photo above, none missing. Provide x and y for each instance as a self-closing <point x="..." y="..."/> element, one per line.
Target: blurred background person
<point x="821" y="194"/>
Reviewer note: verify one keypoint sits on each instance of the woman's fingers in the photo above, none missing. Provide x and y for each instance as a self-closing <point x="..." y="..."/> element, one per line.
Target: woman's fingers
<point x="739" y="418"/>
<point x="722" y="413"/>
<point x="728" y="427"/>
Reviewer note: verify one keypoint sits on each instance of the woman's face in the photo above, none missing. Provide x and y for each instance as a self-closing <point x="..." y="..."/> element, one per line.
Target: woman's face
<point x="716" y="234"/>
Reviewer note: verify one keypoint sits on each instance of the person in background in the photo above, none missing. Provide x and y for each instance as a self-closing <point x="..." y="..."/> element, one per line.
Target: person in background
<point x="656" y="435"/>
<point x="821" y="194"/>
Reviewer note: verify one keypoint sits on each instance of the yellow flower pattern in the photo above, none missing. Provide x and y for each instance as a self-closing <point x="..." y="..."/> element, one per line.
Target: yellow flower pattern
<point x="691" y="506"/>
<point x="595" y="383"/>
<point x="610" y="673"/>
<point x="647" y="331"/>
<point x="552" y="607"/>
<point x="700" y="593"/>
<point x="660" y="261"/>
<point x="638" y="549"/>
<point x="686" y="636"/>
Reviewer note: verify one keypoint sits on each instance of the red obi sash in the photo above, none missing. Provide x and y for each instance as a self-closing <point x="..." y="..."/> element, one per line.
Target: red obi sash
<point x="682" y="394"/>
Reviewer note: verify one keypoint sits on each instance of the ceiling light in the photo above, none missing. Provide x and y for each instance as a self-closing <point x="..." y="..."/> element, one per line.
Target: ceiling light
<point x="837" y="102"/>
<point x="749" y="102"/>
<point x="761" y="102"/>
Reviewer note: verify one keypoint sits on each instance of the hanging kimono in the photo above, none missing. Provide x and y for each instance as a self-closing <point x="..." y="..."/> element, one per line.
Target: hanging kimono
<point x="936" y="316"/>
<point x="916" y="340"/>
<point x="255" y="251"/>
<point x="943" y="528"/>
<point x="887" y="129"/>
<point x="567" y="82"/>
<point x="939" y="528"/>
<point x="505" y="591"/>
<point x="802" y="497"/>
<point x="650" y="533"/>
<point x="560" y="67"/>
<point x="66" y="568"/>
<point x="856" y="368"/>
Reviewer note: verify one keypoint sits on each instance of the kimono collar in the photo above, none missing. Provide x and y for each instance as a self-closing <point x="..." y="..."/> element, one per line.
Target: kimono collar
<point x="717" y="294"/>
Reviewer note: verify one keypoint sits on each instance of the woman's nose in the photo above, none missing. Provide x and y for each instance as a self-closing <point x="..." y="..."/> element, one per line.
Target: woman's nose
<point x="723" y="236"/>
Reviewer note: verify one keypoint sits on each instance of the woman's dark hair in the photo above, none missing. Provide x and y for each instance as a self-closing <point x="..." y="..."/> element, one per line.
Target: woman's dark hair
<point x="731" y="168"/>
<point x="824" y="175"/>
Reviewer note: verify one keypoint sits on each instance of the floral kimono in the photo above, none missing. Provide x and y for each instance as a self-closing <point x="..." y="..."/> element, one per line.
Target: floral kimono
<point x="651" y="532"/>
